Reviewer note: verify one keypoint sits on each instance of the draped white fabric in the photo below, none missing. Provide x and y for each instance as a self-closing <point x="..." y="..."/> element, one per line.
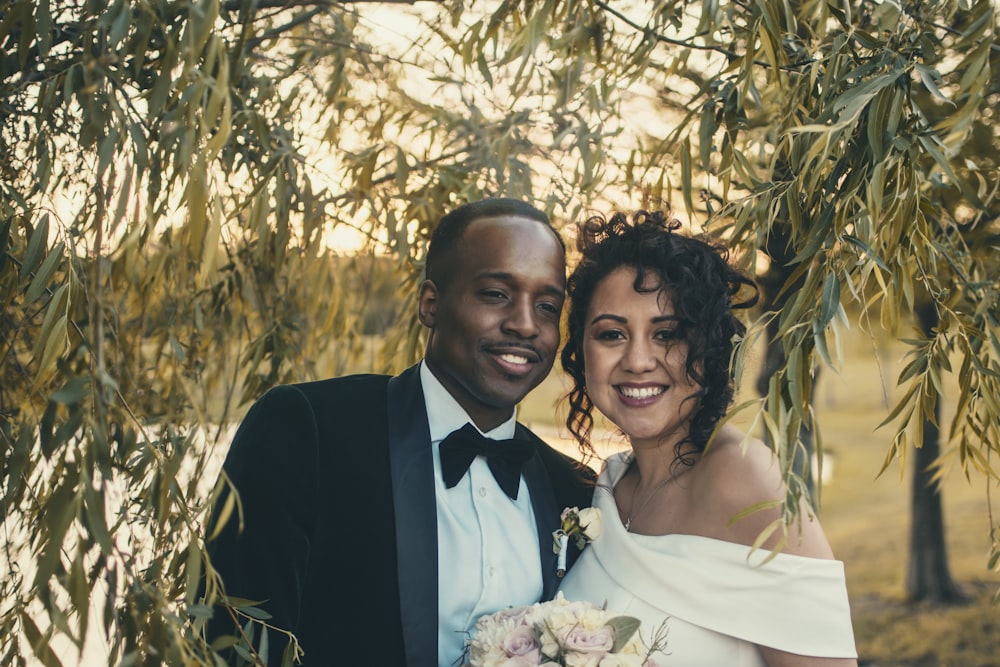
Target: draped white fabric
<point x="720" y="600"/>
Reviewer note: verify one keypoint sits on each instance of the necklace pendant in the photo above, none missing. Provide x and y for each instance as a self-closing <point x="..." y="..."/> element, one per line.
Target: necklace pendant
<point x="628" y="522"/>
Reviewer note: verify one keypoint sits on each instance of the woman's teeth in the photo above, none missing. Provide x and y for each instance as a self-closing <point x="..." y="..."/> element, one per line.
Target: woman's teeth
<point x="641" y="392"/>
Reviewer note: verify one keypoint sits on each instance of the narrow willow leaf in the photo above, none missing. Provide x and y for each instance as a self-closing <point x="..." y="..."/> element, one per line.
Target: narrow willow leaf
<point x="289" y="656"/>
<point x="197" y="207"/>
<point x="239" y="603"/>
<point x="56" y="342"/>
<point x="767" y="45"/>
<point x="212" y="241"/>
<point x="255" y="613"/>
<point x="72" y="392"/>
<point x="220" y="112"/>
<point x="993" y="564"/>
<point x="263" y="649"/>
<point x="830" y="300"/>
<point x="916" y="367"/>
<point x="79" y="588"/>
<point x="904" y="406"/>
<point x="753" y="509"/>
<point x="764" y="535"/>
<point x="106" y="151"/>
<point x="930" y="145"/>
<point x="686" y="175"/>
<point x="43" y="277"/>
<point x="121" y="208"/>
<point x="59" y="512"/>
<point x="193" y="572"/>
<point x="929" y="77"/>
<point x="850" y="104"/>
<point x="120" y="24"/>
<point x="5" y="226"/>
<point x="56" y="308"/>
<point x="36" y="248"/>
<point x="706" y="133"/>
<point x="93" y="504"/>
<point x="43" y="27"/>
<point x="982" y="463"/>
<point x="223" y="642"/>
<point x="224" y="515"/>
<point x="244" y="653"/>
<point x="39" y="643"/>
<point x="876" y="191"/>
<point x="16" y="468"/>
<point x="861" y="245"/>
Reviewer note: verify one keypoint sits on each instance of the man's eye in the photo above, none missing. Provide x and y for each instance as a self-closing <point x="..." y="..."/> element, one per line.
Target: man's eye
<point x="549" y="307"/>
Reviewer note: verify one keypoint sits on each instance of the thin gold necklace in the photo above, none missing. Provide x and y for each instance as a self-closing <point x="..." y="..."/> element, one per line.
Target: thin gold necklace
<point x="632" y="510"/>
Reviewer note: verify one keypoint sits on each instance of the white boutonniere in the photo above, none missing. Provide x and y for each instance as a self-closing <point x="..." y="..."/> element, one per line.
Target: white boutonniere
<point x="582" y="526"/>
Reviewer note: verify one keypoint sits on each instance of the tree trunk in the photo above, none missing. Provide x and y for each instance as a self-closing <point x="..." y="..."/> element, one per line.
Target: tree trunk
<point x="928" y="576"/>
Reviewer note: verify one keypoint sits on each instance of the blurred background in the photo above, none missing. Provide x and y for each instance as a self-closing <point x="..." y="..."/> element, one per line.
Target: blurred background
<point x="200" y="199"/>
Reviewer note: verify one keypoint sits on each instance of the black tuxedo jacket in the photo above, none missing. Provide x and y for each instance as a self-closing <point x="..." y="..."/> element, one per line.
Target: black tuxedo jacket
<point x="336" y="482"/>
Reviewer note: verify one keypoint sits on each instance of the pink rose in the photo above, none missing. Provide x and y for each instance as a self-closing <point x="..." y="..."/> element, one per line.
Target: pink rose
<point x="590" y="641"/>
<point x="518" y="614"/>
<point x="532" y="659"/>
<point x="520" y="641"/>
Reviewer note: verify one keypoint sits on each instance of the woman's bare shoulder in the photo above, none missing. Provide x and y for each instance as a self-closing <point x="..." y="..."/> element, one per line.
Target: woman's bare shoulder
<point x="741" y="468"/>
<point x="742" y="488"/>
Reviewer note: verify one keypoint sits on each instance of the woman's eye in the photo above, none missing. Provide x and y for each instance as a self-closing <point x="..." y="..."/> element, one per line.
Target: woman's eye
<point x="668" y="334"/>
<point x="610" y="334"/>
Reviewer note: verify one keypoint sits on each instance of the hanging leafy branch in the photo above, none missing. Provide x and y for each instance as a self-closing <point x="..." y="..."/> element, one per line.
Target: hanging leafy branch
<point x="174" y="174"/>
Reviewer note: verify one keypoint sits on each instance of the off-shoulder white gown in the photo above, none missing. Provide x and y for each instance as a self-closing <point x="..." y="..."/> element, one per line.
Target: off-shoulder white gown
<point x="718" y="601"/>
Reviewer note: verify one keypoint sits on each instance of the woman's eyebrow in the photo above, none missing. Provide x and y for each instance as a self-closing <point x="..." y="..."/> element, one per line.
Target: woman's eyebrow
<point x="609" y="316"/>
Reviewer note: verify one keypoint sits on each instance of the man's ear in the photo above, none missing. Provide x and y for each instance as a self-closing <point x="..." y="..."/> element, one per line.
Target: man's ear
<point x="427" y="303"/>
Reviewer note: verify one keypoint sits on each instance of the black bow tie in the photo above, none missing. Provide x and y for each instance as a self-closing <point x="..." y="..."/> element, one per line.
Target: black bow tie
<point x="504" y="457"/>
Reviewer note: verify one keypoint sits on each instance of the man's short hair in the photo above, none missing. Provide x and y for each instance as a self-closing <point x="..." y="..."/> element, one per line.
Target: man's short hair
<point x="451" y="227"/>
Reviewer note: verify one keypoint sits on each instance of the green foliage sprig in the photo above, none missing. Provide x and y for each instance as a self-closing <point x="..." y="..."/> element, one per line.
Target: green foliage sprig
<point x="173" y="174"/>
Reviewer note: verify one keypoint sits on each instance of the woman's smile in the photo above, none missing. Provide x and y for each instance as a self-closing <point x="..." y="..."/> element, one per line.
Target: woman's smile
<point x="640" y="395"/>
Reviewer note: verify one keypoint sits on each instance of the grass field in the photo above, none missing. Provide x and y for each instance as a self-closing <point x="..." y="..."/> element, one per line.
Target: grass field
<point x="867" y="521"/>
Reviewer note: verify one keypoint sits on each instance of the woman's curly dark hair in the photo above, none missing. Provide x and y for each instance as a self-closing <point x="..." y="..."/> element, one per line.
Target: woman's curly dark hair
<point x="703" y="287"/>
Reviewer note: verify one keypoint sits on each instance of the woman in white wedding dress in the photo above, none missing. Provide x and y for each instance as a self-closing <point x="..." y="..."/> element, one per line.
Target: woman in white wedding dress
<point x="651" y="331"/>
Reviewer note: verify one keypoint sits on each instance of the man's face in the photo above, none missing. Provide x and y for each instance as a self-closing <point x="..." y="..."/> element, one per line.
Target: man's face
<point x="495" y="321"/>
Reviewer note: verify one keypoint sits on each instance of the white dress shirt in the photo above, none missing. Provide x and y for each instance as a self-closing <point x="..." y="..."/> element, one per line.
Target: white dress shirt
<point x="487" y="543"/>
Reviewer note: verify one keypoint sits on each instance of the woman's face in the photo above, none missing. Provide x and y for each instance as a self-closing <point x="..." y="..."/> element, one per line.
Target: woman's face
<point x="635" y="358"/>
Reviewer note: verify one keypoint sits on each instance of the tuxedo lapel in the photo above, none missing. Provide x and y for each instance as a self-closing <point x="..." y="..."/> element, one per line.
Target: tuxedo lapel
<point x="412" y="466"/>
<point x="543" y="503"/>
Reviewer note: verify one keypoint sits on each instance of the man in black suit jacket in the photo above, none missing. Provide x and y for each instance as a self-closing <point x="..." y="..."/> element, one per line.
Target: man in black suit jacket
<point x="356" y="536"/>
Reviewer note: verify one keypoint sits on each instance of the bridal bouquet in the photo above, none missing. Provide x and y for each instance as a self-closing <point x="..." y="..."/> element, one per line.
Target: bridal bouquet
<point x="558" y="633"/>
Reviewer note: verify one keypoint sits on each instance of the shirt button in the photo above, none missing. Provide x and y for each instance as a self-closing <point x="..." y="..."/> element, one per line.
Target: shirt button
<point x="491" y="570"/>
<point x="482" y="491"/>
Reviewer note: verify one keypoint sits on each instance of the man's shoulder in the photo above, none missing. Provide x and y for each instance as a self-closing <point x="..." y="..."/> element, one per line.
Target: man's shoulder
<point x="345" y="385"/>
<point x="356" y="381"/>
<point x="345" y="394"/>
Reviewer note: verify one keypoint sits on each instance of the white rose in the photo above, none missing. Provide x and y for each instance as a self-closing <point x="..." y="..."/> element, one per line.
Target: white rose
<point x="619" y="660"/>
<point x="591" y="522"/>
<point x="574" y="659"/>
